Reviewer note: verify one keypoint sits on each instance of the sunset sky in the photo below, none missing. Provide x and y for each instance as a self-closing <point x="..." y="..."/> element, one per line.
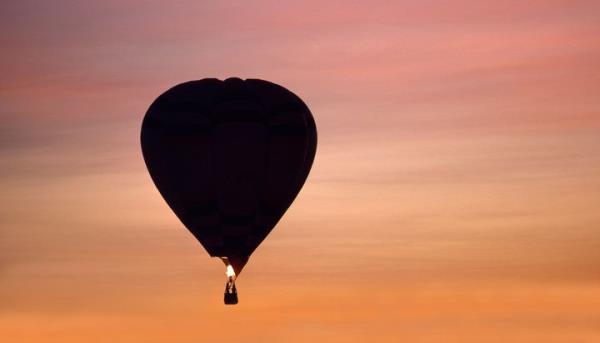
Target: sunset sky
<point x="454" y="196"/>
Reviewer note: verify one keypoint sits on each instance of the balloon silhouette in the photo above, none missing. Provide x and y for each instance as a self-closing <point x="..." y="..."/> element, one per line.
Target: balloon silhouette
<point x="229" y="158"/>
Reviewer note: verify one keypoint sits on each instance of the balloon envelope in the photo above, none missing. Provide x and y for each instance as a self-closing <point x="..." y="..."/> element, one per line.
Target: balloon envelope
<point x="229" y="157"/>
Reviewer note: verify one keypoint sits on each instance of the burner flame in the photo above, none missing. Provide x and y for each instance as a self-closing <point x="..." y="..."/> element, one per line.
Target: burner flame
<point x="230" y="272"/>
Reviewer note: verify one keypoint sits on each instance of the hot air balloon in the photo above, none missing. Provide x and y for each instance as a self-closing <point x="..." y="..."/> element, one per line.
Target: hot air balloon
<point x="229" y="158"/>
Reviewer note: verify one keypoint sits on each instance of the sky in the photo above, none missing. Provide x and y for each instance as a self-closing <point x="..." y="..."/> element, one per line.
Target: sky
<point x="454" y="195"/>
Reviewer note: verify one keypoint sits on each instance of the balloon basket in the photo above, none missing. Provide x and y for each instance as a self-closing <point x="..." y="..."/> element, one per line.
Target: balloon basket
<point x="230" y="296"/>
<point x="231" y="299"/>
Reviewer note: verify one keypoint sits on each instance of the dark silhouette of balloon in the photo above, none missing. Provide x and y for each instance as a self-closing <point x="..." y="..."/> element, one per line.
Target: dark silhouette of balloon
<point x="229" y="157"/>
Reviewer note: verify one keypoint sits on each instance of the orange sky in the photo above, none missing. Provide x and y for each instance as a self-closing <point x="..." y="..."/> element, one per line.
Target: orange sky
<point x="454" y="196"/>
